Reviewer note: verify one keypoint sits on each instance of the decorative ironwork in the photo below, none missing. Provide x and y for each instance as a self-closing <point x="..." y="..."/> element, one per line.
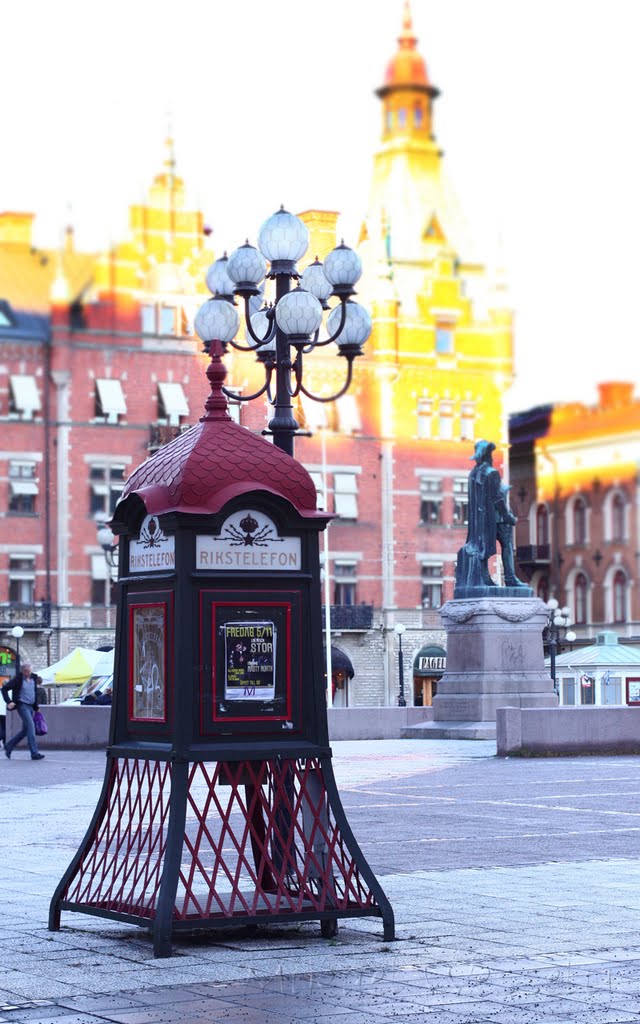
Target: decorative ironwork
<point x="31" y="616"/>
<point x="120" y="869"/>
<point x="261" y="839"/>
<point x="529" y="554"/>
<point x="161" y="433"/>
<point x="351" y="616"/>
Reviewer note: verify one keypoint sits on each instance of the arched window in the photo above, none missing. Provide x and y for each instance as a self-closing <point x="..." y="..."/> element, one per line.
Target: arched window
<point x="580" y="521"/>
<point x="581" y="591"/>
<point x="619" y="597"/>
<point x="542" y="525"/>
<point x="402" y="118"/>
<point x="418" y="115"/>
<point x="617" y="518"/>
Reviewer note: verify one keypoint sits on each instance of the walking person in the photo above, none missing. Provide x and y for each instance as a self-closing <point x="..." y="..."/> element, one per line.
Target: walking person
<point x="24" y="699"/>
<point x="3" y="722"/>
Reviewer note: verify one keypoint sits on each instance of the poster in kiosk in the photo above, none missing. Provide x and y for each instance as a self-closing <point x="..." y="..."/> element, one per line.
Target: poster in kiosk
<point x="219" y="806"/>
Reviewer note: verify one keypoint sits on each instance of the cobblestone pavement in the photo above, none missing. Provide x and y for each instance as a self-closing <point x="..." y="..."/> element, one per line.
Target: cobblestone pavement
<point x="515" y="884"/>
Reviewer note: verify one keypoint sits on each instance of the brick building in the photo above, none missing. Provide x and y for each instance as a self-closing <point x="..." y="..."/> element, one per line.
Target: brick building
<point x="116" y="371"/>
<point x="105" y="373"/>
<point x="574" y="470"/>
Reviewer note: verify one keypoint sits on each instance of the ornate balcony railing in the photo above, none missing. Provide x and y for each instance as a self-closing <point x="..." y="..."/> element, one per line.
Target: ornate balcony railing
<point x="29" y="616"/>
<point x="351" y="616"/>
<point x="529" y="554"/>
<point x="161" y="433"/>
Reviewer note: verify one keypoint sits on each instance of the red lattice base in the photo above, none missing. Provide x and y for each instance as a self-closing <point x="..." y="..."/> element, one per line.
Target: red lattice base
<point x="254" y="840"/>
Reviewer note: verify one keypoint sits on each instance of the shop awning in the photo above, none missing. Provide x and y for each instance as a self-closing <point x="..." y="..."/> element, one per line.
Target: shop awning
<point x="430" y="661"/>
<point x="340" y="662"/>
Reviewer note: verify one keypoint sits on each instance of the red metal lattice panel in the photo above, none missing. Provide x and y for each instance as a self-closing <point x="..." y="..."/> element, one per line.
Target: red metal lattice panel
<point x="121" y="868"/>
<point x="261" y="839"/>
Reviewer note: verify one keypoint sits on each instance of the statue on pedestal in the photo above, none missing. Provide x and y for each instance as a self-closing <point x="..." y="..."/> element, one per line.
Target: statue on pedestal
<point x="490" y="520"/>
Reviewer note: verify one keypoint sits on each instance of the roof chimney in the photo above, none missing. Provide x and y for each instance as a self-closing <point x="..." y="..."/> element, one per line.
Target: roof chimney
<point x="615" y="393"/>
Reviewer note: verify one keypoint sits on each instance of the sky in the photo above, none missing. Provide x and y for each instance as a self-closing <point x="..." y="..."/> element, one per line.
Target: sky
<point x="273" y="103"/>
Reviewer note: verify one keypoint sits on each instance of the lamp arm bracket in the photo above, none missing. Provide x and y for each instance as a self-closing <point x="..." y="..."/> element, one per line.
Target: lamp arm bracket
<point x="249" y="398"/>
<point x="336" y="334"/>
<point x="270" y="313"/>
<point x="330" y="398"/>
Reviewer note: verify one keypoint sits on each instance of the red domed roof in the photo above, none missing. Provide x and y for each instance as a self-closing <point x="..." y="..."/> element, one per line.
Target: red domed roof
<point x="202" y="469"/>
<point x="407" y="67"/>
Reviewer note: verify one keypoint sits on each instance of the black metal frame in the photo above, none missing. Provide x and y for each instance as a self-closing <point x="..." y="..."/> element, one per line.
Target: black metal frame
<point x="181" y="742"/>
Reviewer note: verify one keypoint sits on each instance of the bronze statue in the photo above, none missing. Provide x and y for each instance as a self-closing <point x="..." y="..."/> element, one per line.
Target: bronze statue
<point x="490" y="520"/>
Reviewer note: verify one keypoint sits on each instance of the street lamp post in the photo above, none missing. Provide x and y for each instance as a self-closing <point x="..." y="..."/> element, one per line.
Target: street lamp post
<point x="17" y="633"/>
<point x="108" y="543"/>
<point x="400" y="629"/>
<point x="281" y="331"/>
<point x="557" y="623"/>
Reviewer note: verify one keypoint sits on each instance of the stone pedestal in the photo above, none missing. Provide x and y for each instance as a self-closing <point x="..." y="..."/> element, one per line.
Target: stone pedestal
<point x="495" y="659"/>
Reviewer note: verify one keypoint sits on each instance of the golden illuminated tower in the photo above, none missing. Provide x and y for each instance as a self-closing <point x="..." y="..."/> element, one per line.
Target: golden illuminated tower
<point x="431" y="381"/>
<point x="438" y="312"/>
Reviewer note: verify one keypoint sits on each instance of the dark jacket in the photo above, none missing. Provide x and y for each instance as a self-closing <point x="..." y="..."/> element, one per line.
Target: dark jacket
<point x="14" y="687"/>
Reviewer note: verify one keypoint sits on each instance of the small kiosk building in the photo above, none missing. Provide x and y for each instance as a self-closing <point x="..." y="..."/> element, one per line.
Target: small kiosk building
<point x="219" y="805"/>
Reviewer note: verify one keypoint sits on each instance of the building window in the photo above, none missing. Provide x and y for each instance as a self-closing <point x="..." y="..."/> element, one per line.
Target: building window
<point x="418" y="115"/>
<point x="23" y="488"/>
<point x="432" y="585"/>
<point x="349" y="421"/>
<point x="172" y="403"/>
<point x="587" y="689"/>
<point x="318" y="483"/>
<point x="22" y="579"/>
<point x="345" y="498"/>
<point x="619" y="597"/>
<point x="430" y="501"/>
<point x="446" y="420"/>
<point x="542" y="590"/>
<point x="460" y="501"/>
<point x="402" y="118"/>
<point x="542" y="525"/>
<point x="425" y="412"/>
<point x="110" y="401"/>
<point x="568" y="690"/>
<point x="102" y="586"/>
<point x="467" y="421"/>
<point x="580" y="521"/>
<point x="611" y="689"/>
<point x="444" y="339"/>
<point x="234" y="405"/>
<point x="345" y="582"/>
<point x="106" y="483"/>
<point x="167" y="320"/>
<point x="148" y="319"/>
<point x="618" y="518"/>
<point x="24" y="399"/>
<point x="581" y="591"/>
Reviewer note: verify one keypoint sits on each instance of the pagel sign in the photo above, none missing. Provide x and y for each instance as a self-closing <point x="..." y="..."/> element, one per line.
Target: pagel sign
<point x="429" y="663"/>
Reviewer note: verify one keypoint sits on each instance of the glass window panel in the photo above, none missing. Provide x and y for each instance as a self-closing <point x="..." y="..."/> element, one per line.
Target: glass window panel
<point x="568" y="690"/>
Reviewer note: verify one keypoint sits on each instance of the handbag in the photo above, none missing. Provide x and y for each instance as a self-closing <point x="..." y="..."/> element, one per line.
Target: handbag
<point x="40" y="724"/>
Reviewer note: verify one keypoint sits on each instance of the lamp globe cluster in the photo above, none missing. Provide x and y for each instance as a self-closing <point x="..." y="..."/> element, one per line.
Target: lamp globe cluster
<point x="293" y="320"/>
